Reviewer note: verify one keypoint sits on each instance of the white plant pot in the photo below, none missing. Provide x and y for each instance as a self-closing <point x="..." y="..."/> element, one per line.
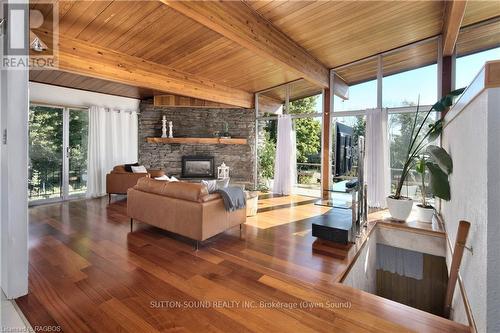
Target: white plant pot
<point x="424" y="214"/>
<point x="400" y="209"/>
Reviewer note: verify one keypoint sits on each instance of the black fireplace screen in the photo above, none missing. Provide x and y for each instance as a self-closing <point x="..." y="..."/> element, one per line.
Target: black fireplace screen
<point x="198" y="167"/>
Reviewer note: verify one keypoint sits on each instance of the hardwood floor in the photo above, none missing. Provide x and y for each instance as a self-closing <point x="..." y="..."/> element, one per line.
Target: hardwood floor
<point x="88" y="273"/>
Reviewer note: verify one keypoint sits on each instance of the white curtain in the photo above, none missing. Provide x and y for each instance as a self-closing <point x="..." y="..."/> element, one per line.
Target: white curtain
<point x="112" y="140"/>
<point x="377" y="170"/>
<point x="285" y="166"/>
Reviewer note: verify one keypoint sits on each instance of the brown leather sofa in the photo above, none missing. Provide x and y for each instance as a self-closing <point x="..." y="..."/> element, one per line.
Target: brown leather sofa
<point x="182" y="208"/>
<point x="119" y="180"/>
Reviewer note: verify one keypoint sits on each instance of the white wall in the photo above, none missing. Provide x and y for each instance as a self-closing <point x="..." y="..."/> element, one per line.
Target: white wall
<point x="493" y="258"/>
<point x="45" y="93"/>
<point x="472" y="138"/>
<point x="363" y="274"/>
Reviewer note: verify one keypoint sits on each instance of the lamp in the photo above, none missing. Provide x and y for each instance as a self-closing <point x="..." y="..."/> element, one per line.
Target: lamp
<point x="223" y="171"/>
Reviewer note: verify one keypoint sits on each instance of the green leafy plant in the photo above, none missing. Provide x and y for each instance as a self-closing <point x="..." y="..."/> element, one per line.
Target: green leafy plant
<point x="308" y="138"/>
<point x="267" y="153"/>
<point x="419" y="145"/>
<point x="439" y="164"/>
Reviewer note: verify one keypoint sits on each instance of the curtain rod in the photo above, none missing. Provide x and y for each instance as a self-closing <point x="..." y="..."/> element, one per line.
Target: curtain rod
<point x="119" y="111"/>
<point x="59" y="105"/>
<point x="79" y="107"/>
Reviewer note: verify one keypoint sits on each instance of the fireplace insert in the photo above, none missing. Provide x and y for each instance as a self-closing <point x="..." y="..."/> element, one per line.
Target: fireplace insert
<point x="198" y="167"/>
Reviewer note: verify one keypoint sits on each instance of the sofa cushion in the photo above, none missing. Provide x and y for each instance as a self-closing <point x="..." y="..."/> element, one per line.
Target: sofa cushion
<point x="128" y="167"/>
<point x="139" y="169"/>
<point x="215" y="184"/>
<point x="156" y="173"/>
<point x="179" y="190"/>
<point x="120" y="169"/>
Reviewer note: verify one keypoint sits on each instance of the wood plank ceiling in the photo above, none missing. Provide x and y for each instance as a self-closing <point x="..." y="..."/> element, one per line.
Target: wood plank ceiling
<point x="355" y="30"/>
<point x="334" y="32"/>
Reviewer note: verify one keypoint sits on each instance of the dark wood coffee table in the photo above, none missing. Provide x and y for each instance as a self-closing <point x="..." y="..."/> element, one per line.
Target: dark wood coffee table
<point x="333" y="231"/>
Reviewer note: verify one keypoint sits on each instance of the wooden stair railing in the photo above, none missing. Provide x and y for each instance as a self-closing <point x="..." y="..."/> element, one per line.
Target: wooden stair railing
<point x="458" y="251"/>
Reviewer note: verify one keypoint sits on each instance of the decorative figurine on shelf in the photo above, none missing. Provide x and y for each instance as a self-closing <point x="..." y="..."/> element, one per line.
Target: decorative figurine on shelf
<point x="164" y="127"/>
<point x="223" y="171"/>
<point x="170" y="130"/>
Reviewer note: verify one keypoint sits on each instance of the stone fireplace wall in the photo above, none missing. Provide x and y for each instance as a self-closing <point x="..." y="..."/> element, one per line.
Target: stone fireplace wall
<point x="197" y="122"/>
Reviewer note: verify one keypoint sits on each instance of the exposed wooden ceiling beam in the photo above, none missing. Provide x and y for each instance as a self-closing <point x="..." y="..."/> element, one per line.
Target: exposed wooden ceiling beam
<point x="269" y="104"/>
<point x="188" y="102"/>
<point x="238" y="22"/>
<point x="83" y="58"/>
<point x="453" y="16"/>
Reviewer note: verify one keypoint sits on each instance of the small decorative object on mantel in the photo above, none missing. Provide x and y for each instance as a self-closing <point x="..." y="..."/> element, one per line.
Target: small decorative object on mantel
<point x="170" y="130"/>
<point x="164" y="127"/>
<point x="225" y="131"/>
<point x="223" y="171"/>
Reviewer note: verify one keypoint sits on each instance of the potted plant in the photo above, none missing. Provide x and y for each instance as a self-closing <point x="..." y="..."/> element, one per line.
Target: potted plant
<point x="439" y="164"/>
<point x="400" y="206"/>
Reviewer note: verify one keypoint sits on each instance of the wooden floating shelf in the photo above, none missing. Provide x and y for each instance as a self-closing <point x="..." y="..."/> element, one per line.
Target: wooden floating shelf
<point x="213" y="141"/>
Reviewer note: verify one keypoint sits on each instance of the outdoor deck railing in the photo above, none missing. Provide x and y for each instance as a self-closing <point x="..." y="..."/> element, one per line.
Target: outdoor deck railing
<point x="46" y="183"/>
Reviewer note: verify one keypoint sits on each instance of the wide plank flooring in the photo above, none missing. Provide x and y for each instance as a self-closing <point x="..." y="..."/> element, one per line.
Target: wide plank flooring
<point x="89" y="273"/>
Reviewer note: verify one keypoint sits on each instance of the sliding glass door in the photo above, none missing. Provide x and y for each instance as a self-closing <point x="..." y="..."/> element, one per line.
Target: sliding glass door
<point x="77" y="151"/>
<point x="57" y="153"/>
<point x="45" y="173"/>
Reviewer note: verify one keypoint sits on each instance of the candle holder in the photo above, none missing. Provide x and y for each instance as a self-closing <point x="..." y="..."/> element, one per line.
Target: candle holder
<point x="170" y="130"/>
<point x="164" y="127"/>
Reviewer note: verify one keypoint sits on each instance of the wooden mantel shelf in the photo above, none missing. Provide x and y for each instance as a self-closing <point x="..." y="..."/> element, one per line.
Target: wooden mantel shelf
<point x="213" y="141"/>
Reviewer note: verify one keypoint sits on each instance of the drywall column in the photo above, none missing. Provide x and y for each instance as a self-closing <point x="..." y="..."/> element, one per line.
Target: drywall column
<point x="14" y="175"/>
<point x="471" y="135"/>
<point x="493" y="172"/>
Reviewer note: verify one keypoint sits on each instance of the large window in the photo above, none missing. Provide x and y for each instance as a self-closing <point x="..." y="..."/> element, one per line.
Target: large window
<point x="468" y="66"/>
<point x="45" y="172"/>
<point x="361" y="97"/>
<point x="363" y="87"/>
<point x="267" y="132"/>
<point x="410" y="77"/>
<point x="409" y="74"/>
<point x="405" y="89"/>
<point x="57" y="152"/>
<point x="77" y="151"/>
<point x="308" y="140"/>
<point x="307" y="125"/>
<point x="400" y="129"/>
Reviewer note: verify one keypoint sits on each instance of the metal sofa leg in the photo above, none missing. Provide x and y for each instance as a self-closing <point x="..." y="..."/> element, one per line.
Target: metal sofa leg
<point x="131" y="224"/>
<point x="109" y="198"/>
<point x="197" y="246"/>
